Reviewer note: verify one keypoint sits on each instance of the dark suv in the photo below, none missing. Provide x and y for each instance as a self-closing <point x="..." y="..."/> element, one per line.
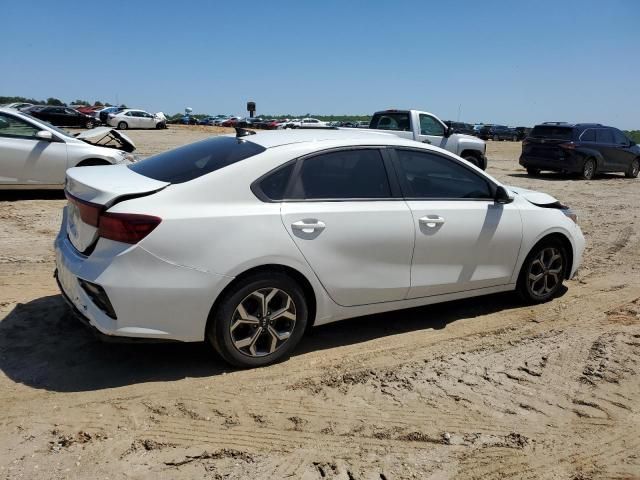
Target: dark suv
<point x="584" y="148"/>
<point x="497" y="132"/>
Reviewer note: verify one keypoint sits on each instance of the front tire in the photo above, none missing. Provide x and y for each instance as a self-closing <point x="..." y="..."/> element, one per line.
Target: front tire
<point x="542" y="272"/>
<point x="259" y="321"/>
<point x="89" y="125"/>
<point x="634" y="168"/>
<point x="473" y="161"/>
<point x="122" y="126"/>
<point x="588" y="169"/>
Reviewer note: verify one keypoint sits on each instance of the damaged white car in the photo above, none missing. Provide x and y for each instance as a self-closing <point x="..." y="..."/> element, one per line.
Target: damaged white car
<point x="36" y="154"/>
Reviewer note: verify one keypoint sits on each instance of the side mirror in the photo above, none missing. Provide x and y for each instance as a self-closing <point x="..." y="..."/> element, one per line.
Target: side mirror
<point x="44" y="135"/>
<point x="448" y="132"/>
<point x="502" y="196"/>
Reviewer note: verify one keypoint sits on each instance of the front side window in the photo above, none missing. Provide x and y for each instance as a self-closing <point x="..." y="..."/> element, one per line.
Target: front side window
<point x="426" y="175"/>
<point x="345" y="174"/>
<point x="619" y="138"/>
<point x="430" y="126"/>
<point x="16" y="128"/>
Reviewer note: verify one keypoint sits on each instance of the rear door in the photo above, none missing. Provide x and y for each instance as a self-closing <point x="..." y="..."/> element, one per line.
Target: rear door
<point x="351" y="225"/>
<point x="26" y="159"/>
<point x="605" y="144"/>
<point x="464" y="239"/>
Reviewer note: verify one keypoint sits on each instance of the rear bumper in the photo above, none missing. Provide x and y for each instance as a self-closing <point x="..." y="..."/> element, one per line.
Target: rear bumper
<point x="152" y="298"/>
<point x="570" y="164"/>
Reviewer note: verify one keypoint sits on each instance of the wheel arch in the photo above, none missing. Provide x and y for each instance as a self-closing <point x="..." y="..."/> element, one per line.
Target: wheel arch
<point x="92" y="162"/>
<point x="475" y="154"/>
<point x="301" y="279"/>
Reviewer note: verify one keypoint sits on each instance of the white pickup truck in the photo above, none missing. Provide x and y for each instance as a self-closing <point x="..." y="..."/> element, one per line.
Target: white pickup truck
<point x="426" y="127"/>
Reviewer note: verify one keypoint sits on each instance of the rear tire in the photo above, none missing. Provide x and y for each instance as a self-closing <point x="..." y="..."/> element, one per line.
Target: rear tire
<point x="244" y="329"/>
<point x="634" y="168"/>
<point x="89" y="125"/>
<point x="588" y="169"/>
<point x="542" y="272"/>
<point x="122" y="126"/>
<point x="533" y="171"/>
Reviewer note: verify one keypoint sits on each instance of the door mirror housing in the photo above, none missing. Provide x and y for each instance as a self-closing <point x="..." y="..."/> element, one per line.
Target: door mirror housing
<point x="44" y="135"/>
<point x="448" y="131"/>
<point x="502" y="196"/>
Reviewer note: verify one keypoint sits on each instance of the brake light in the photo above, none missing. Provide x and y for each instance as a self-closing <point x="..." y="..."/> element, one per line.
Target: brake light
<point x="89" y="212"/>
<point x="568" y="146"/>
<point x="126" y="227"/>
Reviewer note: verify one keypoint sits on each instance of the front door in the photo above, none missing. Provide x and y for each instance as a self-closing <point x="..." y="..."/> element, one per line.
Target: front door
<point x="432" y="131"/>
<point x="464" y="239"/>
<point x="27" y="159"/>
<point x="354" y="234"/>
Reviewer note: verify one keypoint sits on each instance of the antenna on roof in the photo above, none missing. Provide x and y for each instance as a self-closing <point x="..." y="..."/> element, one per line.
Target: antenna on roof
<point x="243" y="132"/>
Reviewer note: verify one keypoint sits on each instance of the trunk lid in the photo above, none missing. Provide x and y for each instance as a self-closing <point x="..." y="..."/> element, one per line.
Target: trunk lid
<point x="92" y="190"/>
<point x="108" y="137"/>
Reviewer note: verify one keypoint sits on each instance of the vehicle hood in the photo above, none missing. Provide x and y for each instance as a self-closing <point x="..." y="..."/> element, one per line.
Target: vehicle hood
<point x="464" y="136"/>
<point x="107" y="137"/>
<point x="537" y="198"/>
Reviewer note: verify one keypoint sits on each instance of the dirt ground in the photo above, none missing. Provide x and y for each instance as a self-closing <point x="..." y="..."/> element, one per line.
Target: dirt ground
<point x="481" y="388"/>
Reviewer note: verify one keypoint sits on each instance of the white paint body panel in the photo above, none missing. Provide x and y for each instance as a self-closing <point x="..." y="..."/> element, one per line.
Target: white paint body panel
<point x="214" y="228"/>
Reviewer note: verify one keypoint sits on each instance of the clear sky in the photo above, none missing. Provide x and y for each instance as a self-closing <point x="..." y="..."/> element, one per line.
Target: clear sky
<point x="511" y="62"/>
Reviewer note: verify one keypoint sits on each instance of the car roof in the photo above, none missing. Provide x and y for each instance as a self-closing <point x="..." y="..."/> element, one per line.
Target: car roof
<point x="287" y="137"/>
<point x="570" y="125"/>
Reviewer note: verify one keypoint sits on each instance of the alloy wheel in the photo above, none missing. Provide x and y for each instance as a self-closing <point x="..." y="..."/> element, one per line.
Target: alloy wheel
<point x="589" y="169"/>
<point x="545" y="272"/>
<point x="263" y="322"/>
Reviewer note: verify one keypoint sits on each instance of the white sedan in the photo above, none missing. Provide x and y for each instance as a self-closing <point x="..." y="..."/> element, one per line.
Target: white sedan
<point x="247" y="240"/>
<point x="131" y="118"/>
<point x="35" y="154"/>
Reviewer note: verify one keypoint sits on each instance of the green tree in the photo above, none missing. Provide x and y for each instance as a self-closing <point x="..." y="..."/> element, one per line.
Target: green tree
<point x="80" y="102"/>
<point x="98" y="103"/>
<point x="56" y="102"/>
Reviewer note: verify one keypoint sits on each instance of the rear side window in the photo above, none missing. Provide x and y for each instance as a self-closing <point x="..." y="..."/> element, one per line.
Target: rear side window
<point x="398" y="121"/>
<point x="426" y="175"/>
<point x="604" y="135"/>
<point x="274" y="185"/>
<point x="589" y="135"/>
<point x="346" y="174"/>
<point x="552" y="132"/>
<point x="196" y="159"/>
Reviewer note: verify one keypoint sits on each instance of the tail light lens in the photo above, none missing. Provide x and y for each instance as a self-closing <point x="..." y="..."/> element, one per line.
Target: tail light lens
<point x="126" y="227"/>
<point x="120" y="227"/>
<point x="568" y="146"/>
<point x="89" y="212"/>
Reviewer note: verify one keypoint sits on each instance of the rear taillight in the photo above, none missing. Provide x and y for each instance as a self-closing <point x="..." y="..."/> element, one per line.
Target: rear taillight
<point x="120" y="227"/>
<point x="568" y="146"/>
<point x="126" y="227"/>
<point x="89" y="212"/>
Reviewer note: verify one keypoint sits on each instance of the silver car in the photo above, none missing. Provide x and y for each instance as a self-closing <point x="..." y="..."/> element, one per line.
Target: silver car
<point x="36" y="154"/>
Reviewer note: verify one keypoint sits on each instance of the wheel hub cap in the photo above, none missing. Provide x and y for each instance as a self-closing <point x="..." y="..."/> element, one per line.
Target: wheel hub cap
<point x="545" y="272"/>
<point x="263" y="322"/>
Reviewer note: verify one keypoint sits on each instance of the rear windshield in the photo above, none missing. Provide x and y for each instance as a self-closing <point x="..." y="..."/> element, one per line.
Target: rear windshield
<point x="398" y="121"/>
<point x="196" y="159"/>
<point x="552" y="132"/>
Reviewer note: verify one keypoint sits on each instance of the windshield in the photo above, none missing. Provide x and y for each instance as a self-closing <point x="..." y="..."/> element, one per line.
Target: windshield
<point x="48" y="125"/>
<point x="196" y="159"/>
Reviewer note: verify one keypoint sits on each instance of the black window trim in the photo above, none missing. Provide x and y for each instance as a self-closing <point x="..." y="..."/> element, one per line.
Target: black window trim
<point x="394" y="184"/>
<point x="405" y="188"/>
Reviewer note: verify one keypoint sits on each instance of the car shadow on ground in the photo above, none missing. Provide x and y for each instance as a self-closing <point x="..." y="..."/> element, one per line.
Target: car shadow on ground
<point x="43" y="346"/>
<point x="563" y="177"/>
<point x="15" y="195"/>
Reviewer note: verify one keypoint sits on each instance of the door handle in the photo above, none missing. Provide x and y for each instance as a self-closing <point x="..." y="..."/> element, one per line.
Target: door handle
<point x="431" y="221"/>
<point x="309" y="226"/>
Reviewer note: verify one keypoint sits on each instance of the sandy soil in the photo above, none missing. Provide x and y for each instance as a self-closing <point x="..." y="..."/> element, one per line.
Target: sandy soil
<point x="483" y="388"/>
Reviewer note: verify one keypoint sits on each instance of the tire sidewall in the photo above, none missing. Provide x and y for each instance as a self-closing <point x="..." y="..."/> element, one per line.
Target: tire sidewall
<point x="218" y="329"/>
<point x="630" y="172"/>
<point x="523" y="285"/>
<point x="593" y="174"/>
<point x="122" y="126"/>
